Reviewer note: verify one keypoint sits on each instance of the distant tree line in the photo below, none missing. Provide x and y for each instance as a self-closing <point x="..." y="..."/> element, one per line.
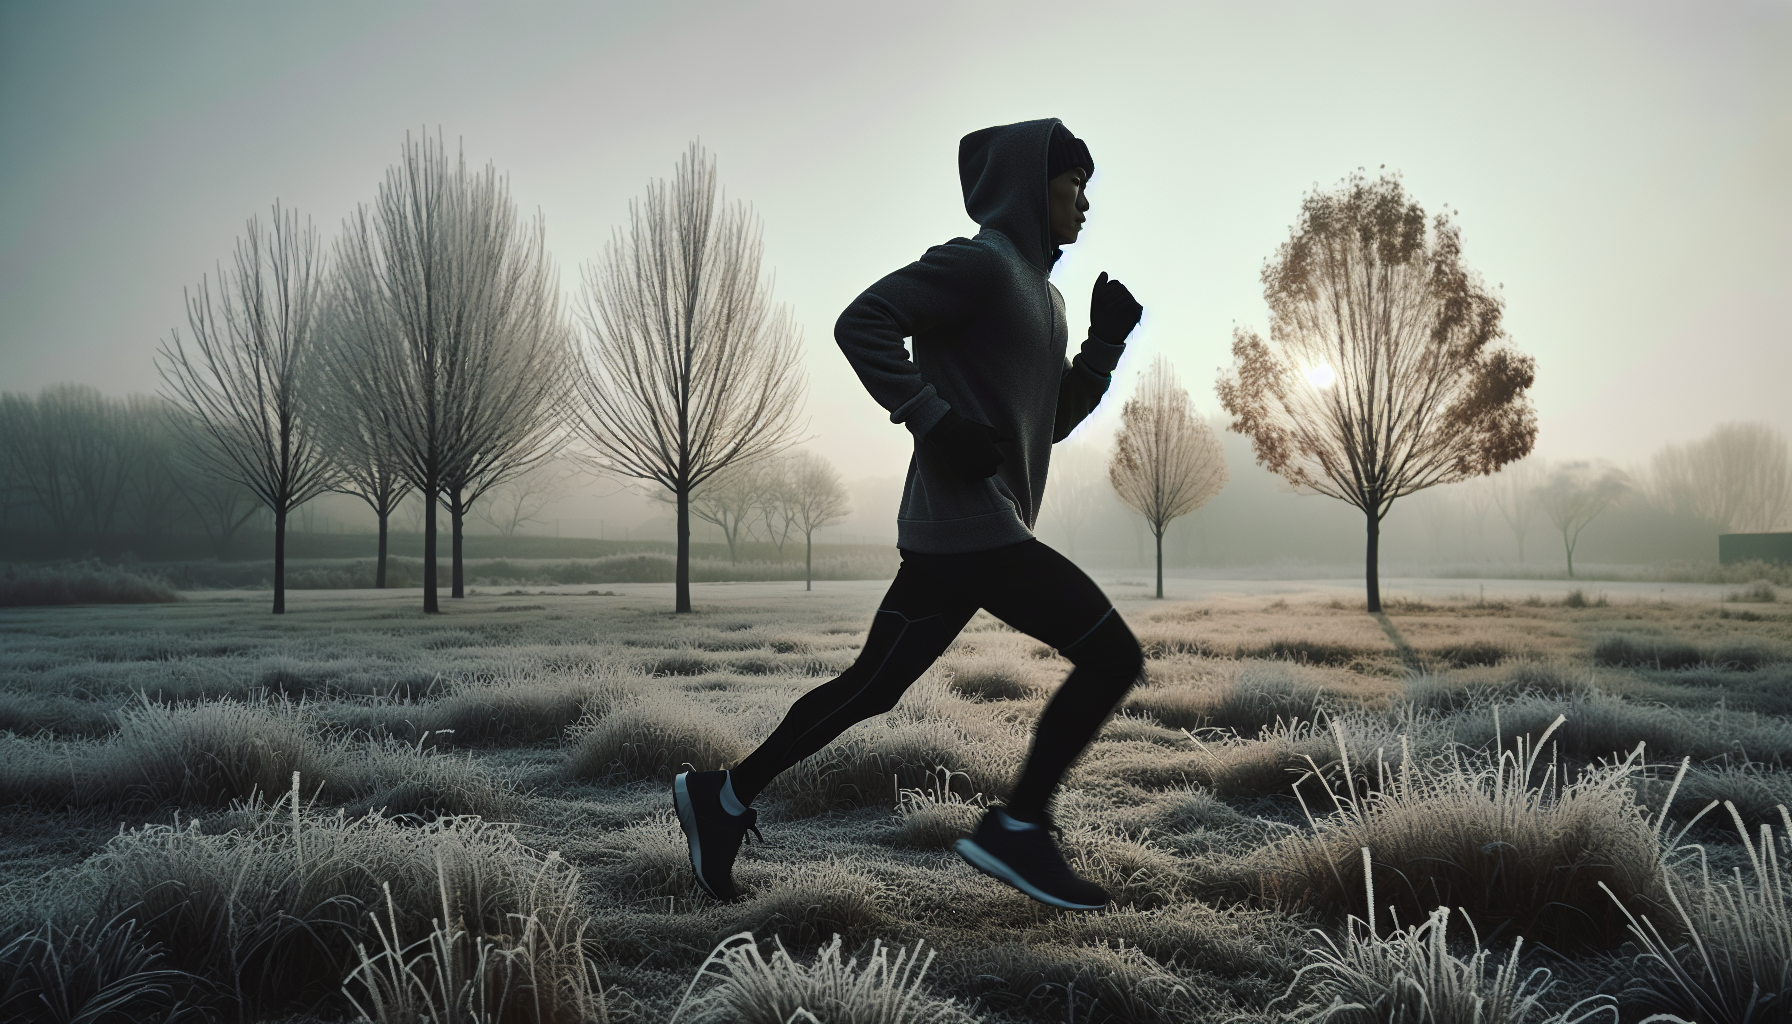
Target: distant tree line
<point x="427" y="352"/>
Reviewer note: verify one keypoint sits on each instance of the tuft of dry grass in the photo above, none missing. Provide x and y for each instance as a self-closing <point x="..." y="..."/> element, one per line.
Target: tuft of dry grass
<point x="650" y="737"/>
<point x="933" y="815"/>
<point x="95" y="971"/>
<point x="269" y="900"/>
<point x="753" y="989"/>
<point x="1734" y="965"/>
<point x="89" y="582"/>
<point x="821" y="898"/>
<point x="1413" y="974"/>
<point x="1498" y="833"/>
<point x="535" y="970"/>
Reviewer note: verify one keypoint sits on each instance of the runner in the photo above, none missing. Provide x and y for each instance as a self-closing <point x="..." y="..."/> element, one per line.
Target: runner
<point x="986" y="395"/>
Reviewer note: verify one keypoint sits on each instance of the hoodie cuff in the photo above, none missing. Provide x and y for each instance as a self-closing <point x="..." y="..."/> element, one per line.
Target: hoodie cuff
<point x="1100" y="356"/>
<point x="920" y="413"/>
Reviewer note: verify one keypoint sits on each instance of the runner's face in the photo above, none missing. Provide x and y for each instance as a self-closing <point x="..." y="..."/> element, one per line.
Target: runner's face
<point x="1068" y="204"/>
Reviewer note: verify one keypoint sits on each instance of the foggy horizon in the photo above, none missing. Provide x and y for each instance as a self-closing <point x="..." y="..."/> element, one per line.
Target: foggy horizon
<point x="1615" y="170"/>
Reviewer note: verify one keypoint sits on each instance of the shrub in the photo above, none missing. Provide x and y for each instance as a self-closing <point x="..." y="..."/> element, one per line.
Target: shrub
<point x="1737" y="966"/>
<point x="1413" y="975"/>
<point x="1495" y="833"/>
<point x="751" y="989"/>
<point x="1760" y="592"/>
<point x="81" y="583"/>
<point x="651" y="736"/>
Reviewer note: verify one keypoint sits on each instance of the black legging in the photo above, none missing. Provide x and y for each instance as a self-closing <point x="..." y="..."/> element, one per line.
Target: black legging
<point x="1027" y="585"/>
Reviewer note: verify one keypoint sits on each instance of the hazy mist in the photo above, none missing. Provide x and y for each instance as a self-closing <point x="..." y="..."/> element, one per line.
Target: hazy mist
<point x="1618" y="169"/>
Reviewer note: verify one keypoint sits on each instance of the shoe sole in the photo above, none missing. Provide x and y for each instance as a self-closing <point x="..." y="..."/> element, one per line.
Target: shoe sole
<point x="687" y="820"/>
<point x="986" y="862"/>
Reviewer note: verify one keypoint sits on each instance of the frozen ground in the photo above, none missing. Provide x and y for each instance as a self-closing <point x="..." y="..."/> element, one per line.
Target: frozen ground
<point x="512" y="754"/>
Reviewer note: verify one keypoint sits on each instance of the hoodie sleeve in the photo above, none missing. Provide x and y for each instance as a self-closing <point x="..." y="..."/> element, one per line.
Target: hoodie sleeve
<point x="938" y="290"/>
<point x="1085" y="380"/>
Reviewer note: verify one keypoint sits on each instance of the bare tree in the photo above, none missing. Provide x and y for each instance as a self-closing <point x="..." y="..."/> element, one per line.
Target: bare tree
<point x="243" y="376"/>
<point x="1167" y="461"/>
<point x="816" y="498"/>
<point x="355" y="428"/>
<point x="1515" y="494"/>
<point x="447" y="329"/>
<point x="1575" y="494"/>
<point x="778" y="500"/>
<point x="1074" y="490"/>
<point x="522" y="498"/>
<point x="1383" y="374"/>
<point x="1737" y="479"/>
<point x="731" y="499"/>
<point x="688" y="367"/>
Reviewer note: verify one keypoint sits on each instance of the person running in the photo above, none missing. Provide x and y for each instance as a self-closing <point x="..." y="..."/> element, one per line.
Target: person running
<point x="986" y="395"/>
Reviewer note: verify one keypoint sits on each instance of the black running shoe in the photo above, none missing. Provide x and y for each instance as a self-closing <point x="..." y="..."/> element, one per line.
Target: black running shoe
<point x="1028" y="860"/>
<point x="714" y="834"/>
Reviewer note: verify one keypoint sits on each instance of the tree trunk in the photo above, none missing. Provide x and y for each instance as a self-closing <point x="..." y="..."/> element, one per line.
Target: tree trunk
<point x="379" y="567"/>
<point x="808" y="561"/>
<point x="1160" y="562"/>
<point x="430" y="606"/>
<point x="457" y="517"/>
<point x="1372" y="564"/>
<point x="681" y="573"/>
<point x="279" y="563"/>
<point x="1566" y="543"/>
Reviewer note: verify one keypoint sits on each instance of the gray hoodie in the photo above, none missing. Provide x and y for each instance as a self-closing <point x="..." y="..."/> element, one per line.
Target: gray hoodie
<point x="989" y="340"/>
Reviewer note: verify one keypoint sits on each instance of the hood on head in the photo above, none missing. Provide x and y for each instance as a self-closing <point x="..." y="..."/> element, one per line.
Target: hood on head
<point x="1002" y="171"/>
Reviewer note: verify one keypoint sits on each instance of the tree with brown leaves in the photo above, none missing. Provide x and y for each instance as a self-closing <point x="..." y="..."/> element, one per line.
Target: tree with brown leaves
<point x="1386" y="370"/>
<point x="1167" y="461"/>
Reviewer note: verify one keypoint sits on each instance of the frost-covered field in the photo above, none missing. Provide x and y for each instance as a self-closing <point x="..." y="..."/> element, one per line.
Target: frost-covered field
<point x="501" y="770"/>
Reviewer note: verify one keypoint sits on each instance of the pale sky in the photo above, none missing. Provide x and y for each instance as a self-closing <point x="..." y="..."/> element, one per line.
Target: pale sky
<point x="1622" y="169"/>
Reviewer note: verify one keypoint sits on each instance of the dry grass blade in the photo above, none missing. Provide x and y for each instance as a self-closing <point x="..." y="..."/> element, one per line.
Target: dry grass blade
<point x="1412" y="975"/>
<point x="1735" y="963"/>
<point x="888" y="989"/>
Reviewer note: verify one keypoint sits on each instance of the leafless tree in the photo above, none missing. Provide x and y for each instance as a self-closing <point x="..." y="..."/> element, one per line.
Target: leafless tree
<point x="1739" y="478"/>
<point x="1384" y="373"/>
<point x="778" y="500"/>
<point x="1575" y="494"/>
<point x="688" y="367"/>
<point x="356" y="430"/>
<point x="731" y="500"/>
<point x="242" y="377"/>
<point x="1515" y="494"/>
<point x="1074" y="489"/>
<point x="447" y="330"/>
<point x="522" y="498"/>
<point x="1167" y="461"/>
<point x="816" y="498"/>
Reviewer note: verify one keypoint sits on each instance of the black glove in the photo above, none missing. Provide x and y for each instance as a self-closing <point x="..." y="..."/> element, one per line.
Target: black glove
<point x="967" y="447"/>
<point x="1113" y="312"/>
